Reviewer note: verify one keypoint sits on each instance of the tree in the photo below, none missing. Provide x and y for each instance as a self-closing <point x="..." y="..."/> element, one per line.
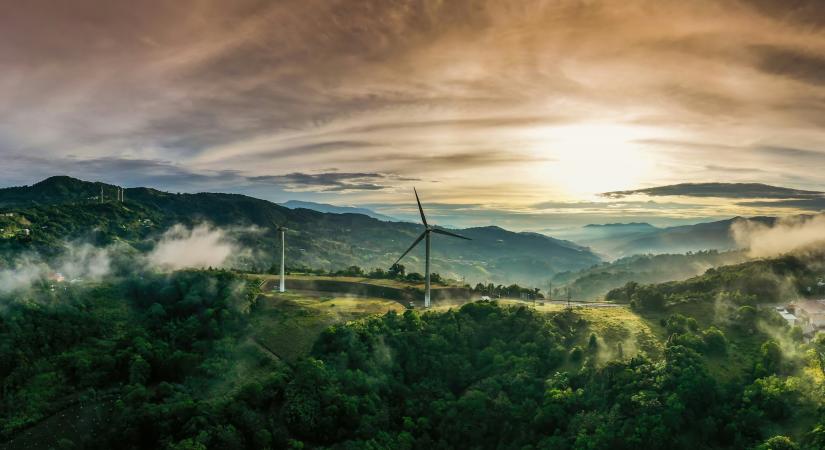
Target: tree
<point x="397" y="271"/>
<point x="778" y="443"/>
<point x="770" y="358"/>
<point x="593" y="343"/>
<point x="715" y="341"/>
<point x="139" y="370"/>
<point x="414" y="277"/>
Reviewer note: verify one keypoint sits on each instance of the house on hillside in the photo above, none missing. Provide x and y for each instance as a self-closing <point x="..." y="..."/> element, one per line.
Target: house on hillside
<point x="810" y="314"/>
<point x="788" y="316"/>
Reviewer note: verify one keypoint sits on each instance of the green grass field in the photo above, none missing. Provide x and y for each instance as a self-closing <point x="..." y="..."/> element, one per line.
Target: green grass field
<point x="362" y="280"/>
<point x="288" y="324"/>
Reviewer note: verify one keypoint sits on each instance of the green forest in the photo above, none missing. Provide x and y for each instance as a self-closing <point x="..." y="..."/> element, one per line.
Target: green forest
<point x="166" y="361"/>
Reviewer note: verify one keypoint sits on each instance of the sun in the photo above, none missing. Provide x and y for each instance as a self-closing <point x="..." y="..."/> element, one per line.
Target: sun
<point x="587" y="159"/>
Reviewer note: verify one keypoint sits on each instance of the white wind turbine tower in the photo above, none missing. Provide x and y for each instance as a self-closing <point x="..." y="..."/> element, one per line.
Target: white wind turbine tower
<point x="426" y="235"/>
<point x="282" y="230"/>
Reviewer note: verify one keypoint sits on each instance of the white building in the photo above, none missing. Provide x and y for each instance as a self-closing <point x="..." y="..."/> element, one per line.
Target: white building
<point x="790" y="318"/>
<point x="810" y="314"/>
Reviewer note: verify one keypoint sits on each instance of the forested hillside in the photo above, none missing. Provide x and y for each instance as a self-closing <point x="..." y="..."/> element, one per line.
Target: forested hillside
<point x="62" y="209"/>
<point x="166" y="362"/>
<point x="763" y="281"/>
<point x="596" y="281"/>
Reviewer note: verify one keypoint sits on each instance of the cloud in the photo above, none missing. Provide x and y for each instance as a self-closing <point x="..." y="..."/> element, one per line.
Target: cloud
<point x="199" y="247"/>
<point x="23" y="273"/>
<point x="804" y="12"/>
<point x="802" y="155"/>
<point x="331" y="181"/>
<point x="85" y="261"/>
<point x="787" y="235"/>
<point x="720" y="190"/>
<point x="792" y="63"/>
<point x="203" y="95"/>
<point x="23" y="169"/>
<point x="729" y="169"/>
<point x="650" y="206"/>
<point x="808" y="204"/>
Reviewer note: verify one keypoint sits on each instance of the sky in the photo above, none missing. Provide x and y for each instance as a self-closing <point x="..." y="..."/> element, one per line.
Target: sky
<point x="514" y="112"/>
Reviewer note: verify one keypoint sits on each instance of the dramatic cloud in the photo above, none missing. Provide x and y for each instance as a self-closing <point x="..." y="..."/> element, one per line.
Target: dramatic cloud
<point x="506" y="103"/>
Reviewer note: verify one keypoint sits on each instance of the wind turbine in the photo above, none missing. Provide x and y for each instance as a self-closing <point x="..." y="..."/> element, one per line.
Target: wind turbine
<point x="426" y="236"/>
<point x="282" y="230"/>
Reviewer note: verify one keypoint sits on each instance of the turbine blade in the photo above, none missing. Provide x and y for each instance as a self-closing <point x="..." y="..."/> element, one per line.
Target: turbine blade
<point x="447" y="233"/>
<point x="420" y="209"/>
<point x="411" y="247"/>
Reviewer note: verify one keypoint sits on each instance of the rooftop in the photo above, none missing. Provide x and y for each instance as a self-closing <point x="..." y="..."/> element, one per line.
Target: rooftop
<point x="811" y="306"/>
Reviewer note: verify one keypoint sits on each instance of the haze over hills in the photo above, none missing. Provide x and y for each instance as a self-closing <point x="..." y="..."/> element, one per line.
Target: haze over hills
<point x="621" y="240"/>
<point x="61" y="209"/>
<point x="327" y="208"/>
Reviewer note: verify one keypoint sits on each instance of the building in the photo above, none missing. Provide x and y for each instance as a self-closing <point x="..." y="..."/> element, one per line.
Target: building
<point x="56" y="277"/>
<point x="789" y="317"/>
<point x="810" y="314"/>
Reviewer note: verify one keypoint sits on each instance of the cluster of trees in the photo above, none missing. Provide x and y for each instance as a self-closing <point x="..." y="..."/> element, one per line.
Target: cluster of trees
<point x="395" y="272"/>
<point x="133" y="336"/>
<point x="512" y="291"/>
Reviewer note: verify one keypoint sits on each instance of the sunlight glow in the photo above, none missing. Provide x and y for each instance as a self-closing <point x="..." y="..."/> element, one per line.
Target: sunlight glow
<point x="594" y="158"/>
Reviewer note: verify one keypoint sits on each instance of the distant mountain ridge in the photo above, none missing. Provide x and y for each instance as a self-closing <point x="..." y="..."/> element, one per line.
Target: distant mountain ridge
<point x="622" y="241"/>
<point x="634" y="225"/>
<point x="327" y="208"/>
<point x="63" y="208"/>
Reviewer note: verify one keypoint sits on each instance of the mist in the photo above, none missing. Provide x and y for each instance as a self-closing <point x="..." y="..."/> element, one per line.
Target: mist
<point x="21" y="275"/>
<point x="787" y="235"/>
<point x="79" y="261"/>
<point x="201" y="246"/>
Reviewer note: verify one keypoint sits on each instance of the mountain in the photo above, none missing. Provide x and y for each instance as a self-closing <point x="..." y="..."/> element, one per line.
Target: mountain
<point x="685" y="238"/>
<point x="621" y="240"/>
<point x="603" y="237"/>
<point x="61" y="209"/>
<point x="787" y="278"/>
<point x="55" y="190"/>
<point x="327" y="208"/>
<point x="596" y="281"/>
<point x="620" y="227"/>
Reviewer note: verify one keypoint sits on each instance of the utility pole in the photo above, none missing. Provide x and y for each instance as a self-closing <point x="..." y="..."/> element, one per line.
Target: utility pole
<point x="568" y="298"/>
<point x="101" y="193"/>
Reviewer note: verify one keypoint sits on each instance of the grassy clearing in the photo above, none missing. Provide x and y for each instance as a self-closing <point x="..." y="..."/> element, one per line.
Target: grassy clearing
<point x="373" y="281"/>
<point x="288" y="324"/>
